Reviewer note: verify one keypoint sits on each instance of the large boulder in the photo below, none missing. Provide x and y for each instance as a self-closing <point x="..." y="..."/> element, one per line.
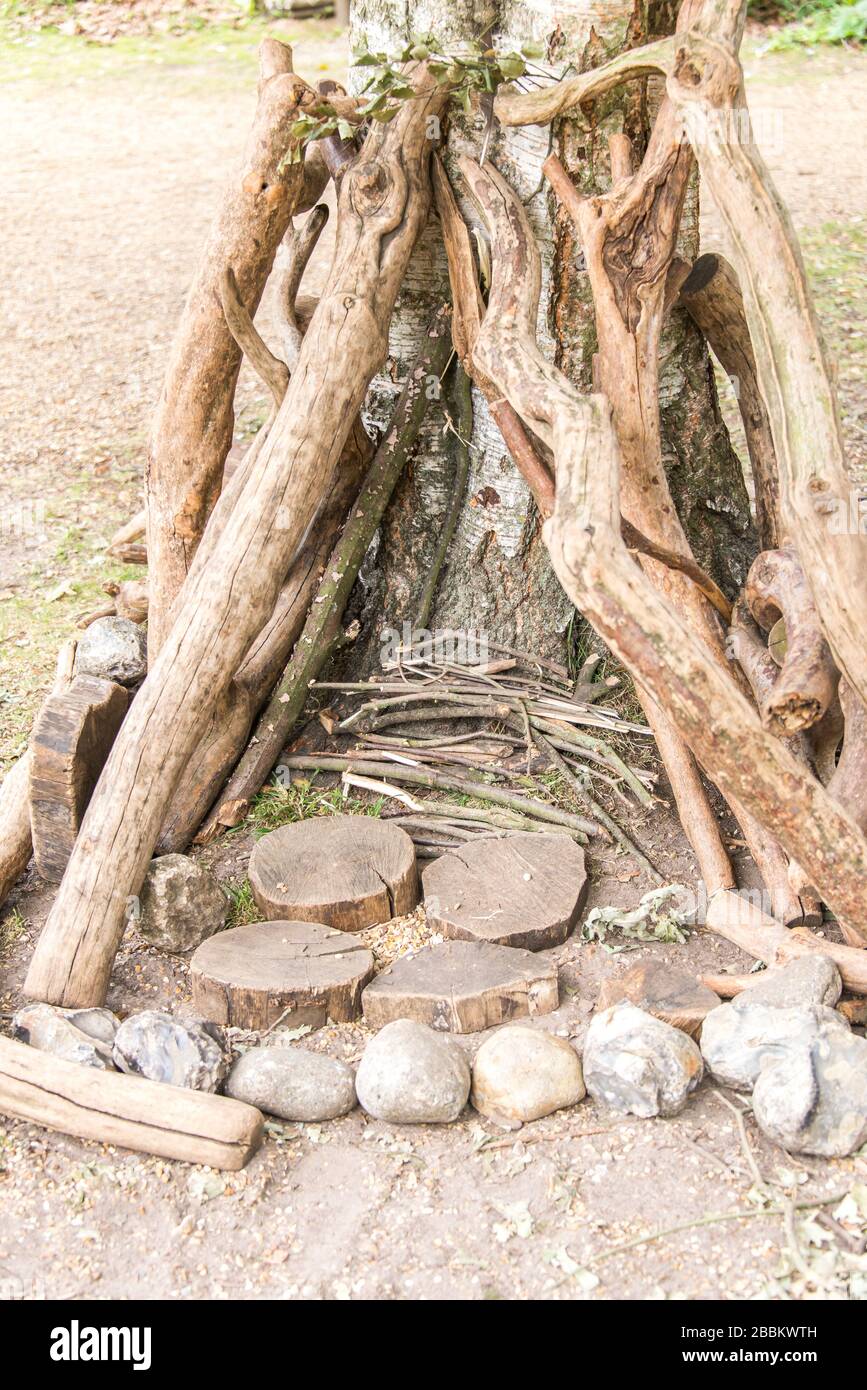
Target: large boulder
<point x="293" y="1083"/>
<point x="639" y="1065"/>
<point x="164" y="1048"/>
<point x="181" y="904"/>
<point x="521" y="1074"/>
<point x="740" y="1039"/>
<point x="813" y="1099"/>
<point x="114" y="649"/>
<point x="411" y="1075"/>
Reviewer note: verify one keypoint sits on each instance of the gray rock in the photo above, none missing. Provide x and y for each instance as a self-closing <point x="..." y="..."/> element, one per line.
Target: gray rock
<point x="812" y="979"/>
<point x="293" y="1083"/>
<point x="411" y="1075"/>
<point x="75" y="1035"/>
<point x="739" y="1039"/>
<point x="521" y="1074"/>
<point x="114" y="649"/>
<point x="639" y="1065"/>
<point x="164" y="1048"/>
<point x="181" y="904"/>
<point x="814" y="1098"/>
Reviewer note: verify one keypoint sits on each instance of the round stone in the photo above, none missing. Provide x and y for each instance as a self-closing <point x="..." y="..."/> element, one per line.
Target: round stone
<point x="411" y="1075"/>
<point x="521" y="1074"/>
<point x="292" y="1083"/>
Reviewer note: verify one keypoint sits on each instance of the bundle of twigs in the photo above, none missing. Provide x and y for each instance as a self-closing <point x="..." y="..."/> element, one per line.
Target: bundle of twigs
<point x="527" y="717"/>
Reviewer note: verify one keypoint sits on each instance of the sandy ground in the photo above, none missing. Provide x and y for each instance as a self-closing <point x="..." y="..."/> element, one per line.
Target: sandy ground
<point x="109" y="183"/>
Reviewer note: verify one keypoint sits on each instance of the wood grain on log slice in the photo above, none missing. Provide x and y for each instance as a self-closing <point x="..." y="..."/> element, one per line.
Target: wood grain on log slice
<point x="350" y="872"/>
<point x="252" y="976"/>
<point x="673" y="995"/>
<point x="524" y="890"/>
<point x="71" y="740"/>
<point x="133" y="1113"/>
<point x="462" y="987"/>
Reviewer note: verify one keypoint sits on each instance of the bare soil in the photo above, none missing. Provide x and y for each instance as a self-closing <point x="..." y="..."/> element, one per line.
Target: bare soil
<point x="111" y="166"/>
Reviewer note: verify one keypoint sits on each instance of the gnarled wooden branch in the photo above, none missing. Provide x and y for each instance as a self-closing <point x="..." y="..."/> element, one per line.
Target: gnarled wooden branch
<point x="712" y="297"/>
<point x="806" y="684"/>
<point x="300" y="243"/>
<point x="231" y="589"/>
<point x="192" y="431"/>
<point x="639" y="624"/>
<point x="272" y="372"/>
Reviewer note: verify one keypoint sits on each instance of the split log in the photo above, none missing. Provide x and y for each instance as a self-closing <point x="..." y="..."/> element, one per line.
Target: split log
<point x="645" y="632"/>
<point x="673" y="995"/>
<point x="332" y="591"/>
<point x="297" y="973"/>
<point x="806" y="683"/>
<point x="232" y="588"/>
<point x="16" y="840"/>
<point x="70" y="743"/>
<point x="712" y="297"/>
<point x="349" y="872"/>
<point x="192" y="432"/>
<point x="523" y="890"/>
<point x="462" y="987"/>
<point x="126" y="1111"/>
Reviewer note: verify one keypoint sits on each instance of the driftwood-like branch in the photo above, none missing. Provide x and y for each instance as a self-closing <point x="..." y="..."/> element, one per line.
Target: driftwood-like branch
<point x="192" y="431"/>
<point x="746" y="926"/>
<point x="806" y="684"/>
<point x="300" y="243"/>
<point x="231" y="590"/>
<point x="271" y="371"/>
<point x="314" y="644"/>
<point x="712" y="297"/>
<point x="640" y="625"/>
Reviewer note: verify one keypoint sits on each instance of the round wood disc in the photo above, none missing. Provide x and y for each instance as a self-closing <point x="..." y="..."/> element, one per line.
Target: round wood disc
<point x="348" y="871"/>
<point x="248" y="977"/>
<point x="462" y="987"/>
<point x="523" y="890"/>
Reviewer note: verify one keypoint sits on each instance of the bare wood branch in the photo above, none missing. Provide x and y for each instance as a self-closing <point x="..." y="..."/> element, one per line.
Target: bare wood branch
<point x="272" y="372"/>
<point x="300" y="243"/>
<point x="806" y="684"/>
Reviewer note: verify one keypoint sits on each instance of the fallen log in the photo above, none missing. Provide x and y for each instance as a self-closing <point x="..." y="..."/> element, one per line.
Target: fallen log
<point x="127" y="1111"/>
<point x="639" y="624"/>
<point x="746" y="926"/>
<point x="192" y="432"/>
<point x="232" y="587"/>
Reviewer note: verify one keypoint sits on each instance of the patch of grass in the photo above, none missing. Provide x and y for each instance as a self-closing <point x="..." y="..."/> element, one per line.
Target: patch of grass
<point x="277" y="805"/>
<point x="12" y="927"/>
<point x="243" y="909"/>
<point x="815" y="22"/>
<point x="206" y="51"/>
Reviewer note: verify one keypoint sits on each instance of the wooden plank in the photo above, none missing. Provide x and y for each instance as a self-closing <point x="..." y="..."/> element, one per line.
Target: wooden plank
<point x="133" y="1113"/>
<point x="71" y="740"/>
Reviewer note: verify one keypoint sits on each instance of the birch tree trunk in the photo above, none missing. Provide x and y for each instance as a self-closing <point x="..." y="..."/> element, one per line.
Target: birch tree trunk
<point x="497" y="578"/>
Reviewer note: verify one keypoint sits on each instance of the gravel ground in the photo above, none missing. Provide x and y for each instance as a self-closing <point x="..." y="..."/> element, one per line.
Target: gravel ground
<point x="109" y="182"/>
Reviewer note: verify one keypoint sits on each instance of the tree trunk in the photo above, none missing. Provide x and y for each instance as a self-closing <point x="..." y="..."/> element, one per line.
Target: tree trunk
<point x="498" y="577"/>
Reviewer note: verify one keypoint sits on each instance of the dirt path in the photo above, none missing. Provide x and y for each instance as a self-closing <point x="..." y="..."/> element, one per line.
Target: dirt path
<point x="109" y="183"/>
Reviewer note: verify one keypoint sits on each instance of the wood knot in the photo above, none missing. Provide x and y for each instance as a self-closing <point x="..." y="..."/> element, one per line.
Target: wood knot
<point x="369" y="187"/>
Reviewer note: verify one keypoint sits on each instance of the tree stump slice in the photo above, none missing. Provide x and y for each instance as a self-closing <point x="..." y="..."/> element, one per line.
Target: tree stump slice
<point x="250" y="976"/>
<point x="523" y="890"/>
<point x="462" y="987"/>
<point x="670" y="994"/>
<point x="349" y="872"/>
<point x="71" y="741"/>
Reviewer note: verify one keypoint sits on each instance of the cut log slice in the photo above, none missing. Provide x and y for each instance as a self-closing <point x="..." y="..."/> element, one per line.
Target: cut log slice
<point x="350" y="872"/>
<point x="300" y="972"/>
<point x="673" y="995"/>
<point x="71" y="741"/>
<point x="462" y="987"/>
<point x="522" y="890"/>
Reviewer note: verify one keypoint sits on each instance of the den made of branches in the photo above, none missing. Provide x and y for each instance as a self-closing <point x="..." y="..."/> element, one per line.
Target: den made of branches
<point x="498" y="420"/>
